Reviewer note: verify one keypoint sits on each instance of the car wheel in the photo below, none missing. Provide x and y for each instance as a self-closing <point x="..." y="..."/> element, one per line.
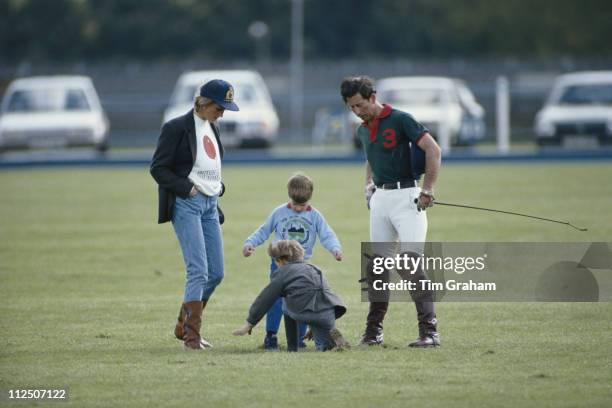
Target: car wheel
<point x="605" y="140"/>
<point x="255" y="144"/>
<point x="549" y="141"/>
<point x="102" y="147"/>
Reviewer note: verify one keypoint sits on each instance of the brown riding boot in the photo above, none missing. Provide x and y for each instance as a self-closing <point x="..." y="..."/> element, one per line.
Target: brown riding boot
<point x="179" y="331"/>
<point x="192" y="325"/>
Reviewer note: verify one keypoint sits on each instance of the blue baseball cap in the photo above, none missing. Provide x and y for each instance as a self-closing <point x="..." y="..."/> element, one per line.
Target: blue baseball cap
<point x="221" y="92"/>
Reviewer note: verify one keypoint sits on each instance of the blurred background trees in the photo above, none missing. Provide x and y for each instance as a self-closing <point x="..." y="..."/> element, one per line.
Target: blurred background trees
<point x="73" y="30"/>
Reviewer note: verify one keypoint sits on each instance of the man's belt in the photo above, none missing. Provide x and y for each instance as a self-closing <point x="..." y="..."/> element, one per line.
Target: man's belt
<point x="397" y="185"/>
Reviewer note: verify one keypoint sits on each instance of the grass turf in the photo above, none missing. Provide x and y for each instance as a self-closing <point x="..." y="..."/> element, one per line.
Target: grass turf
<point x="90" y="286"/>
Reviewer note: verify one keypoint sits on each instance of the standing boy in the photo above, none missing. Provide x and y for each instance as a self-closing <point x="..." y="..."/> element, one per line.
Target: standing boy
<point x="296" y="220"/>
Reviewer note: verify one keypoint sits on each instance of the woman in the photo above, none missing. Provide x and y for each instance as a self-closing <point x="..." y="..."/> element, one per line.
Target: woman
<point x="187" y="167"/>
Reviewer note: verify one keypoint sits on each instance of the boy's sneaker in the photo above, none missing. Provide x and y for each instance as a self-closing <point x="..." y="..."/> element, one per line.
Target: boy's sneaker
<point x="341" y="343"/>
<point x="429" y="340"/>
<point x="270" y="342"/>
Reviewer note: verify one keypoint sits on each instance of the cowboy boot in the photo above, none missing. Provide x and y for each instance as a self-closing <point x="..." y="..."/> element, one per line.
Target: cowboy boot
<point x="204" y="342"/>
<point x="192" y="325"/>
<point x="179" y="333"/>
<point x="179" y="330"/>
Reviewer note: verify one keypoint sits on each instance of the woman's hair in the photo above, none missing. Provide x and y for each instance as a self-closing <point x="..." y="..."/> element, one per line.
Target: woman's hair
<point x="286" y="250"/>
<point x="300" y="188"/>
<point x="201" y="102"/>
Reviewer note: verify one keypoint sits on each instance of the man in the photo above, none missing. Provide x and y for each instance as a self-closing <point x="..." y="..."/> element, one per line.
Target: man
<point x="397" y="205"/>
<point x="187" y="167"/>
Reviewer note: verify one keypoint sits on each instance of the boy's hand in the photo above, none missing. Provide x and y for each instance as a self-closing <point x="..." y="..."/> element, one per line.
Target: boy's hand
<point x="338" y="255"/>
<point x="247" y="250"/>
<point x="246" y="329"/>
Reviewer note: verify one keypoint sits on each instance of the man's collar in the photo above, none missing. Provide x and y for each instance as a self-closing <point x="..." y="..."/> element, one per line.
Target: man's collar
<point x="384" y="112"/>
<point x="372" y="126"/>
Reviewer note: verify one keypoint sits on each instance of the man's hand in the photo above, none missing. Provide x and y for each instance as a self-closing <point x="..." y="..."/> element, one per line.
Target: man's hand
<point x="338" y="255"/>
<point x="247" y="250"/>
<point x="369" y="190"/>
<point x="426" y="199"/>
<point x="246" y="329"/>
<point x="193" y="192"/>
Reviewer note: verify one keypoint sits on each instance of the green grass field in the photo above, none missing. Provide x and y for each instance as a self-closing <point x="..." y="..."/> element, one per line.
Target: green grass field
<point x="90" y="286"/>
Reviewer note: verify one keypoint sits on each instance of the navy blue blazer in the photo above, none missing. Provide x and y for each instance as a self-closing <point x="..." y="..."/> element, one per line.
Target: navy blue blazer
<point x="173" y="160"/>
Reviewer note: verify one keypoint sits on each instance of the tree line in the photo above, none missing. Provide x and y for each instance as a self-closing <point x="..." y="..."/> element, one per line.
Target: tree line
<point x="97" y="30"/>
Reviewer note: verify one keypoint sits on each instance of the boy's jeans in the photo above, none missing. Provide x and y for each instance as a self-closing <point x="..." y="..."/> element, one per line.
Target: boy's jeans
<point x="274" y="315"/>
<point x="320" y="324"/>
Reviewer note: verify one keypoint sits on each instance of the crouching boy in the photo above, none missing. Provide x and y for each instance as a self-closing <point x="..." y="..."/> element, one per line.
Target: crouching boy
<point x="308" y="299"/>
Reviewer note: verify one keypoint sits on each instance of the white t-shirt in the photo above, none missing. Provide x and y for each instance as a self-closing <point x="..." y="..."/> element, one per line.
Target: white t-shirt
<point x="206" y="172"/>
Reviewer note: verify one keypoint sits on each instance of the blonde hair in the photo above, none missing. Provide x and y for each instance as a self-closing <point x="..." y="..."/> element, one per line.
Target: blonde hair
<point x="286" y="250"/>
<point x="300" y="188"/>
<point x="201" y="102"/>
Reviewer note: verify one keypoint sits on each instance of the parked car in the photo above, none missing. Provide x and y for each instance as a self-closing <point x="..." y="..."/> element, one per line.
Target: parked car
<point x="437" y="102"/>
<point x="52" y="111"/>
<point x="579" y="104"/>
<point x="255" y="125"/>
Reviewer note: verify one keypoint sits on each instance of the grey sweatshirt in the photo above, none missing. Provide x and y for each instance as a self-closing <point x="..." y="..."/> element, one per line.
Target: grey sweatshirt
<point x="305" y="290"/>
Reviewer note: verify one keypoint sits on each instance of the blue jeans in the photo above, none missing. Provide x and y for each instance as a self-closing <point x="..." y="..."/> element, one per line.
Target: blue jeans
<point x="196" y="224"/>
<point x="320" y="323"/>
<point x="274" y="315"/>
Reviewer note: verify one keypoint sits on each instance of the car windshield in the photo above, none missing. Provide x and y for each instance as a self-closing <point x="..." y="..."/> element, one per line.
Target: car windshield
<point x="48" y="100"/>
<point x="594" y="94"/>
<point x="414" y="96"/>
<point x="245" y="94"/>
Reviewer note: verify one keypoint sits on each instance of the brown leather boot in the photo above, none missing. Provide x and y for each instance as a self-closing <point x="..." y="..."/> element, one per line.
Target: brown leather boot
<point x="179" y="330"/>
<point x="192" y="325"/>
<point x="179" y="333"/>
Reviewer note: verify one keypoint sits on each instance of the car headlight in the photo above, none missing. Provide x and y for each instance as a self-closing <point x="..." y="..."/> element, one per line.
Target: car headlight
<point x="472" y="127"/>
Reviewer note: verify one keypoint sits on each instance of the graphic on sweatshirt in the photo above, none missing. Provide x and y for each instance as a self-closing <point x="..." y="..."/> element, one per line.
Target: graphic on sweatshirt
<point x="297" y="229"/>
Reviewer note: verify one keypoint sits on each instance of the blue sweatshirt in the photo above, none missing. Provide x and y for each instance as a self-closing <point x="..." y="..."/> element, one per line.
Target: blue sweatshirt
<point x="303" y="227"/>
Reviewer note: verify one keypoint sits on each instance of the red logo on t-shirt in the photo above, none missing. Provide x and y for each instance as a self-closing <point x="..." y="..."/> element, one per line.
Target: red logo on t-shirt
<point x="209" y="147"/>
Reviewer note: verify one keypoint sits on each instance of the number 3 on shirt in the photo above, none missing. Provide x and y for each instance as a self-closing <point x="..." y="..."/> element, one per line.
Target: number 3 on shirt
<point x="390" y="138"/>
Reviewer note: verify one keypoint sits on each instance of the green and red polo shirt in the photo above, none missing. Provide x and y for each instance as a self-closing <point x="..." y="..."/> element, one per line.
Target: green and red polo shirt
<point x="386" y="143"/>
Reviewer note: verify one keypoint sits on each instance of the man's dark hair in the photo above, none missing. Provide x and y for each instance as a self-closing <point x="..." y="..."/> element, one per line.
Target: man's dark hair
<point x="362" y="84"/>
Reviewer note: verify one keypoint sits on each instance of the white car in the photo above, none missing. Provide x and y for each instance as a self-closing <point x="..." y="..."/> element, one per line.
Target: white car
<point x="579" y="104"/>
<point x="441" y="104"/>
<point x="255" y="125"/>
<point x="52" y="111"/>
